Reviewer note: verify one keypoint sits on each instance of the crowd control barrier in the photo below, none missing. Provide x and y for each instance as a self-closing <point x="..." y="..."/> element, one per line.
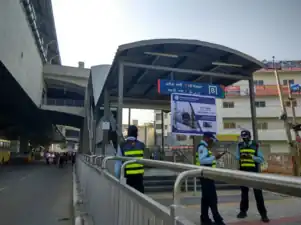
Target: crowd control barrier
<point x="111" y="202"/>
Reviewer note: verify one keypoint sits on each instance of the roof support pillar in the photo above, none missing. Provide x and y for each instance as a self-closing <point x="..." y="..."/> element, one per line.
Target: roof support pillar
<point x="105" y="132"/>
<point x="120" y="98"/>
<point x="253" y="109"/>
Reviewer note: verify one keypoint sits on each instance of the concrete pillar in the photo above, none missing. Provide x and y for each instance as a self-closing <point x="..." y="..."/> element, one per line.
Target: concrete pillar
<point x="24" y="144"/>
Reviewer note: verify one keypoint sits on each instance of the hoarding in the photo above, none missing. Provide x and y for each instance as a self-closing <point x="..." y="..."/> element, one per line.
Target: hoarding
<point x="175" y="86"/>
<point x="193" y="114"/>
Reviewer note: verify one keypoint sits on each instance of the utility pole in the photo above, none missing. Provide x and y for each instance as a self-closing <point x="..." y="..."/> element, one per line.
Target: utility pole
<point x="296" y="158"/>
<point x="284" y="118"/>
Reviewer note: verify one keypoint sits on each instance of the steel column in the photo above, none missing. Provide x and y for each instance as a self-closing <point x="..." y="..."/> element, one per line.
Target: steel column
<point x="162" y="128"/>
<point x="129" y="119"/>
<point x="105" y="133"/>
<point x="120" y="98"/>
<point x="253" y="109"/>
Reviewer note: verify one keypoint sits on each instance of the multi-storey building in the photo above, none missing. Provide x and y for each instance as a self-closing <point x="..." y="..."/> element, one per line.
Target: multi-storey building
<point x="234" y="112"/>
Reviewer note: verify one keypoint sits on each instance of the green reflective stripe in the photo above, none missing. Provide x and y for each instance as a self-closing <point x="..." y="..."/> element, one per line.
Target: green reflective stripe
<point x="133" y="152"/>
<point x="247" y="151"/>
<point x="133" y="172"/>
<point x="248" y="165"/>
<point x="135" y="156"/>
<point x="133" y="165"/>
<point x="247" y="160"/>
<point x="197" y="162"/>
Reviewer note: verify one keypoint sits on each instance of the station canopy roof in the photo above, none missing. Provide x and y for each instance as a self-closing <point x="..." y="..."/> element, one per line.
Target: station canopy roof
<point x="140" y="83"/>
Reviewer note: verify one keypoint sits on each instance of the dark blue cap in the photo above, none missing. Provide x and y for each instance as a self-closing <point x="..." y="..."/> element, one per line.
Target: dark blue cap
<point x="132" y="131"/>
<point x="245" y="134"/>
<point x="210" y="135"/>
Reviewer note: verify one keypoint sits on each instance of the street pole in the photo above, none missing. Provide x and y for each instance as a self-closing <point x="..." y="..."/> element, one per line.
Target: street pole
<point x="296" y="158"/>
<point x="284" y="116"/>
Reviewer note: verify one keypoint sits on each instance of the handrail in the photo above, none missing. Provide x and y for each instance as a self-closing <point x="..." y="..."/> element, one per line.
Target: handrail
<point x="122" y="175"/>
<point x="275" y="183"/>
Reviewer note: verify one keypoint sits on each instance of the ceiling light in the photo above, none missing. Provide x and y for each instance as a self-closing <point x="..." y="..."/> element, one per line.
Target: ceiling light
<point x="161" y="54"/>
<point x="225" y="64"/>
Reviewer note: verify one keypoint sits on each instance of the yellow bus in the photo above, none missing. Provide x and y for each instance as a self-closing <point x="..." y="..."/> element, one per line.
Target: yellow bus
<point x="4" y="151"/>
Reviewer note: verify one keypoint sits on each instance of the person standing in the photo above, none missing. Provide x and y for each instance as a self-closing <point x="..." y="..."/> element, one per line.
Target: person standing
<point x="205" y="157"/>
<point x="250" y="158"/>
<point x="132" y="148"/>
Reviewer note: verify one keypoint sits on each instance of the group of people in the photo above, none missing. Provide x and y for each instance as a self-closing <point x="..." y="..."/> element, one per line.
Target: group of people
<point x="248" y="154"/>
<point x="60" y="158"/>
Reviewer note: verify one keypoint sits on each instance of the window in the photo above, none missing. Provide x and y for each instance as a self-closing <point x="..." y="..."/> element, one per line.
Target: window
<point x="286" y="82"/>
<point x="258" y="82"/>
<point x="158" y="126"/>
<point x="158" y="116"/>
<point x="165" y="115"/>
<point x="260" y="104"/>
<point x="165" y="127"/>
<point x="229" y="125"/>
<point x="262" y="126"/>
<point x="228" y="104"/>
<point x="288" y="103"/>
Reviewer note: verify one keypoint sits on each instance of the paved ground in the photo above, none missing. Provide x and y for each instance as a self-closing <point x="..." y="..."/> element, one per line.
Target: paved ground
<point x="281" y="209"/>
<point x="35" y="194"/>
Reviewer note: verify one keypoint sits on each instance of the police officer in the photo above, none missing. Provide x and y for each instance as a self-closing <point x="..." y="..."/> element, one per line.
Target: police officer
<point x="250" y="157"/>
<point x="204" y="157"/>
<point x="135" y="149"/>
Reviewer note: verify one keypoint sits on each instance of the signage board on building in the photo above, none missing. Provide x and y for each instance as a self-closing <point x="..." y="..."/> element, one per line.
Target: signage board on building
<point x="285" y="65"/>
<point x="232" y="91"/>
<point x="193" y="114"/>
<point x="260" y="90"/>
<point x="175" y="86"/>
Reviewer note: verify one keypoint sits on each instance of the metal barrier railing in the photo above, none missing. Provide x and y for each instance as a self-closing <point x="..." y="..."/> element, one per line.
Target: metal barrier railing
<point x="111" y="201"/>
<point x="65" y="102"/>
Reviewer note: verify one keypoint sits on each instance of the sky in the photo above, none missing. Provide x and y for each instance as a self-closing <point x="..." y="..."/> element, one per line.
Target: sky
<point x="92" y="30"/>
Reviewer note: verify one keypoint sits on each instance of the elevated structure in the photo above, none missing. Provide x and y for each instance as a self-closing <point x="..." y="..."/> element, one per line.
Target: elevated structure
<point x="132" y="79"/>
<point x="28" y="41"/>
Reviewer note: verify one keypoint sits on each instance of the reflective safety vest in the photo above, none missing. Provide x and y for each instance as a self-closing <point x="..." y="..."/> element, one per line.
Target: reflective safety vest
<point x="134" y="149"/>
<point x="248" y="164"/>
<point x="197" y="160"/>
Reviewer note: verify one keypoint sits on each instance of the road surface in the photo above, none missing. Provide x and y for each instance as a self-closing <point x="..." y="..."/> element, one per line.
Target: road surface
<point x="35" y="194"/>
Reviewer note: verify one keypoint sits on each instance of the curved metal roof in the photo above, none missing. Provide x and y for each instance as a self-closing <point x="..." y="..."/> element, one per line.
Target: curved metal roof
<point x="176" y="53"/>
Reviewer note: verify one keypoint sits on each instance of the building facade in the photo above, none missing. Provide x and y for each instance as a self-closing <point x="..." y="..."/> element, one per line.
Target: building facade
<point x="234" y="114"/>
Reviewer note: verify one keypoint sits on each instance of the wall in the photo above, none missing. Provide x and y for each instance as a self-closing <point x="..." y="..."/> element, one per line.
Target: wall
<point x="73" y="75"/>
<point x="18" y="50"/>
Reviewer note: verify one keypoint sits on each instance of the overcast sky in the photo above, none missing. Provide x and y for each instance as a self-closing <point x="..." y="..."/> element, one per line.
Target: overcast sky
<point x="91" y="30"/>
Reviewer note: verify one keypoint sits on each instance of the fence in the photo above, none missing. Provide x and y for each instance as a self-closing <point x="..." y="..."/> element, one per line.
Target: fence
<point x="110" y="201"/>
<point x="65" y="102"/>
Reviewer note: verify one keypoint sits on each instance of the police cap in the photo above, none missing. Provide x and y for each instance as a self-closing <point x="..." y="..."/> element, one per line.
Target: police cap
<point x="245" y="134"/>
<point x="132" y="131"/>
<point x="211" y="136"/>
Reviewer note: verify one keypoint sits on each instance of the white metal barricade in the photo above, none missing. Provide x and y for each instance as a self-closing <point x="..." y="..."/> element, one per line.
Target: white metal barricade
<point x="112" y="202"/>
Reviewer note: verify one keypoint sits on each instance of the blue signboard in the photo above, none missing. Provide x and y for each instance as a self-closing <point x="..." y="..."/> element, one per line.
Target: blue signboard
<point x="193" y="114"/>
<point x="295" y="87"/>
<point x="184" y="87"/>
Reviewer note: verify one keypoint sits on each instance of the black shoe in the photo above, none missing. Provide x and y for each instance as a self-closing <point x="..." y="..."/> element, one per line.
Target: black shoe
<point x="242" y="215"/>
<point x="206" y="222"/>
<point x="265" y="219"/>
<point x="219" y="223"/>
